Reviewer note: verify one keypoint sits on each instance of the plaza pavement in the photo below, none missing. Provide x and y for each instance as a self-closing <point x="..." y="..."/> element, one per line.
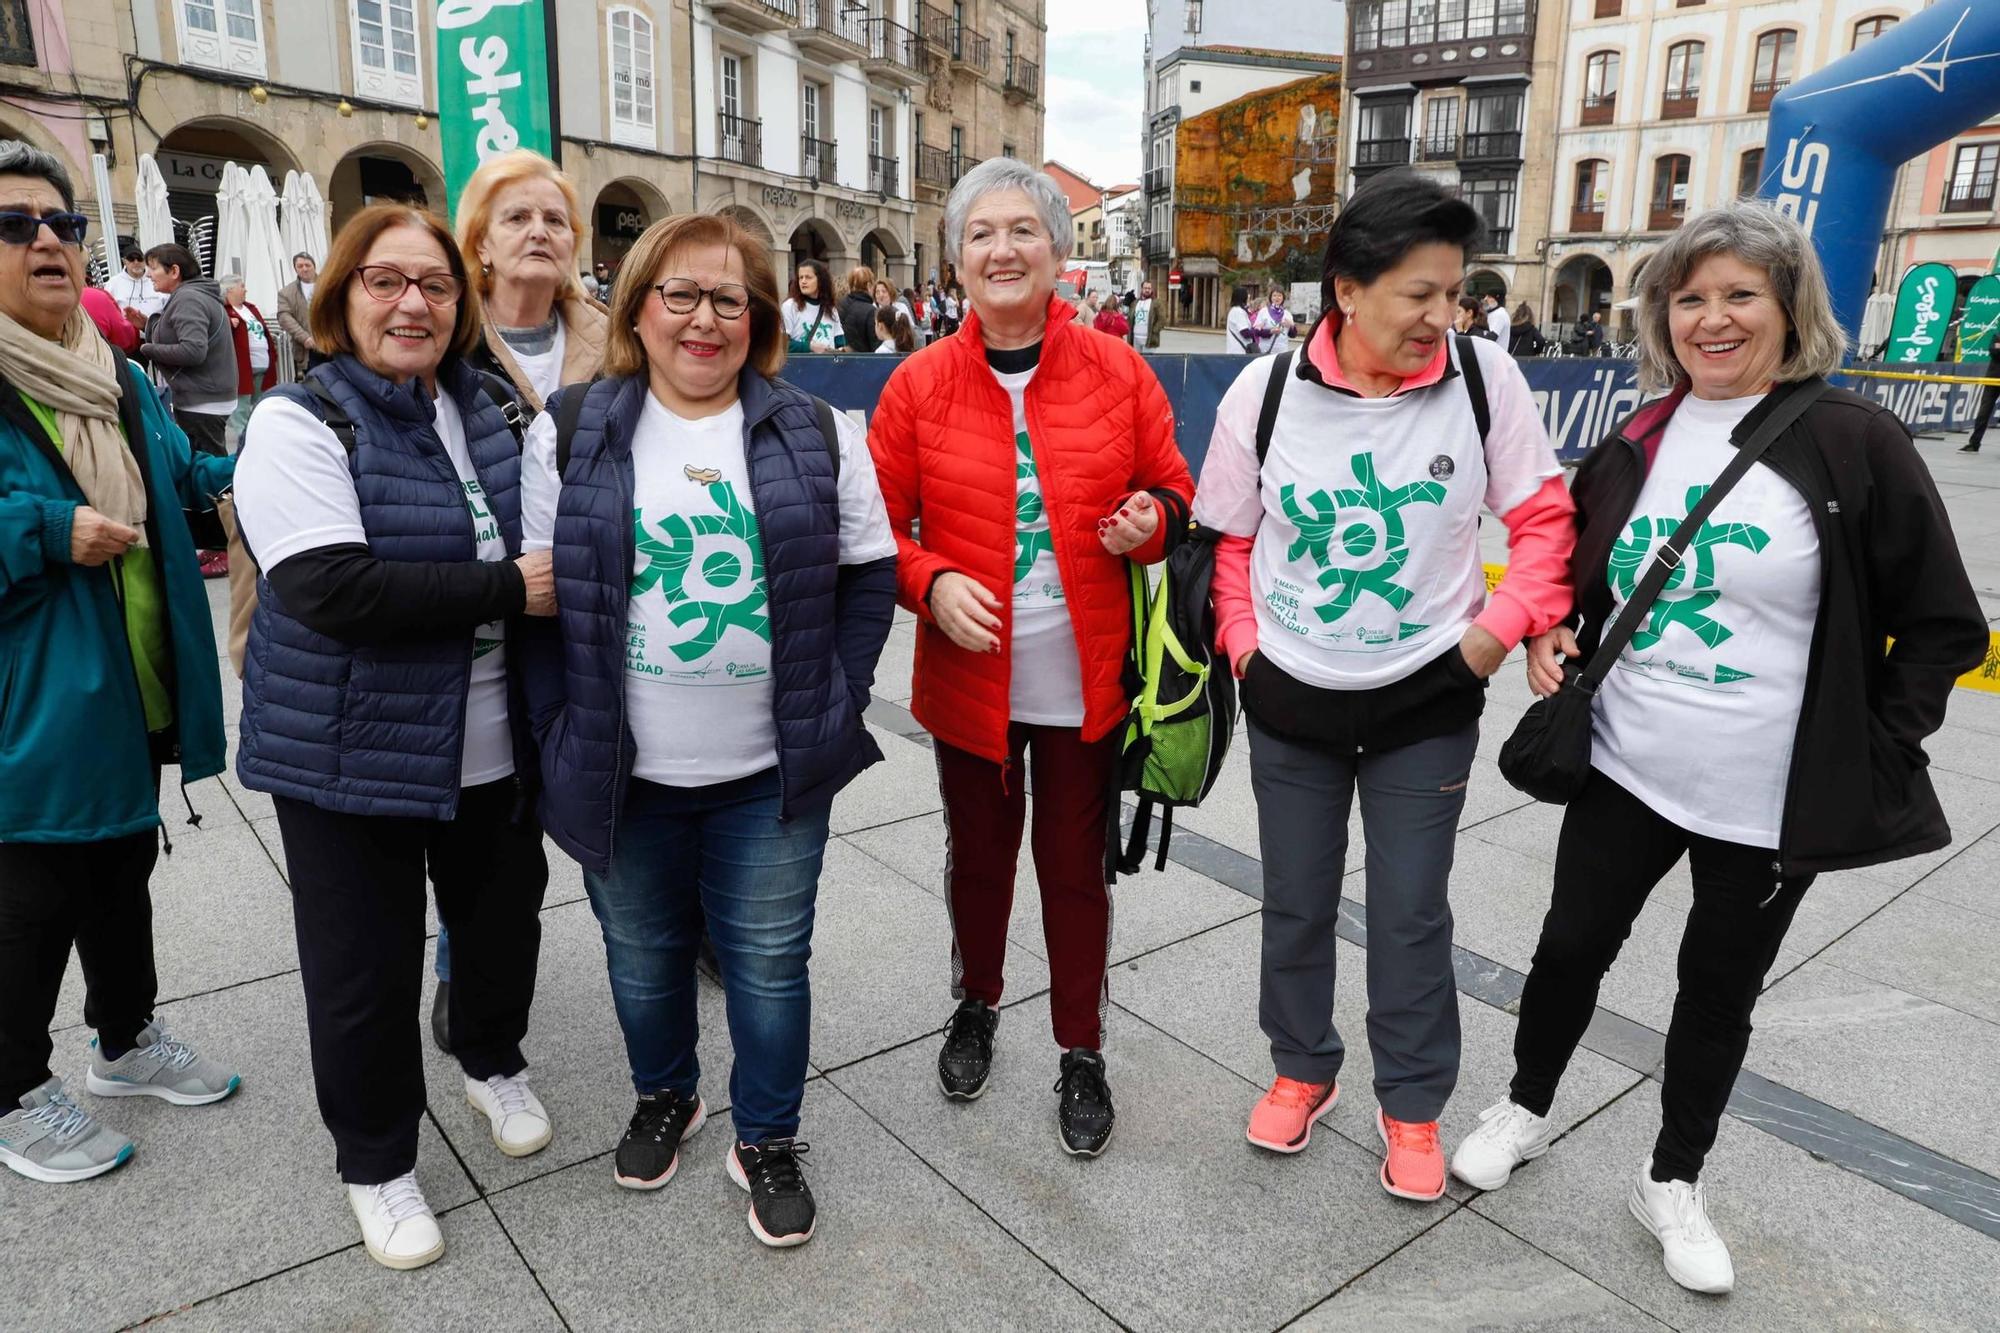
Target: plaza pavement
<point x="1857" y="1178"/>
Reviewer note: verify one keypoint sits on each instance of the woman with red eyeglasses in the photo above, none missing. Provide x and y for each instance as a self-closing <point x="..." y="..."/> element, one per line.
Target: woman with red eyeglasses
<point x="381" y="501"/>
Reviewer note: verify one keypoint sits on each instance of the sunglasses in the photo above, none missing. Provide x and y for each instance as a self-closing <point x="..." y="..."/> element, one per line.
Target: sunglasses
<point x="22" y="228"/>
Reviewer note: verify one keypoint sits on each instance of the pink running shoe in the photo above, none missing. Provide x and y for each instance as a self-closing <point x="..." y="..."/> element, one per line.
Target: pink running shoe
<point x="1414" y="1168"/>
<point x="1283" y="1120"/>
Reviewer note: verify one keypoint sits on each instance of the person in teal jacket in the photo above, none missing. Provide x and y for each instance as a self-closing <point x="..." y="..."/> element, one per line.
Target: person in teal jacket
<point x="108" y="671"/>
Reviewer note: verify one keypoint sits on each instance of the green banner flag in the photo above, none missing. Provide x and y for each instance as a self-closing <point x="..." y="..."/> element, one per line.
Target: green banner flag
<point x="1923" y="310"/>
<point x="1982" y="317"/>
<point x="493" y="84"/>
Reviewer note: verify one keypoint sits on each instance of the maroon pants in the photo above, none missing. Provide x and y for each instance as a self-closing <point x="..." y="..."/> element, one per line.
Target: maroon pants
<point x="985" y="806"/>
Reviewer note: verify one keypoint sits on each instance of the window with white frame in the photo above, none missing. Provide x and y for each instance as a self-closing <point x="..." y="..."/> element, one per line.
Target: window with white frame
<point x="385" y="50"/>
<point x="634" y="118"/>
<point x="221" y="34"/>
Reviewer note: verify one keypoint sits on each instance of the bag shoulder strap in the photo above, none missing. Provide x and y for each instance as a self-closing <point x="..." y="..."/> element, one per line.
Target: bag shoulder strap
<point x="830" y="433"/>
<point x="333" y="414"/>
<point x="567" y="415"/>
<point x="501" y="394"/>
<point x="128" y="405"/>
<point x="1668" y="557"/>
<point x="1475" y="384"/>
<point x="1267" y="416"/>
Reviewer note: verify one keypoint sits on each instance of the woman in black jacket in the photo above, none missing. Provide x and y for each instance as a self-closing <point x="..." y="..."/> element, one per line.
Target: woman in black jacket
<point x="1760" y="722"/>
<point x="857" y="310"/>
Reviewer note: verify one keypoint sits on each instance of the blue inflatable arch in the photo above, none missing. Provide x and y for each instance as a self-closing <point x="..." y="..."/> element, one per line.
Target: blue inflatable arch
<point x="1836" y="139"/>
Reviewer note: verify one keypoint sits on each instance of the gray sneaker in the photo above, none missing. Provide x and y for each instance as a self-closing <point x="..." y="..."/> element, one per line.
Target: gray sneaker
<point x="53" y="1139"/>
<point x="159" y="1066"/>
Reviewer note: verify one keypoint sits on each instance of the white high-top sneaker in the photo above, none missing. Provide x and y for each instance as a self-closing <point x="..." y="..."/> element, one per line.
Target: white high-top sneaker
<point x="397" y="1224"/>
<point x="1677" y="1213"/>
<point x="1508" y="1135"/>
<point x="520" y="1122"/>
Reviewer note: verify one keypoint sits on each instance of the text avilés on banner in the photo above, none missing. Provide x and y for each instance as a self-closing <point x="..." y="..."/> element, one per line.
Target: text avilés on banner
<point x="493" y="84"/>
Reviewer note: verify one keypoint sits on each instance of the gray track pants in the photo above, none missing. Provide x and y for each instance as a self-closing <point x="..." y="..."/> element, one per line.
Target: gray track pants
<point x="1411" y="798"/>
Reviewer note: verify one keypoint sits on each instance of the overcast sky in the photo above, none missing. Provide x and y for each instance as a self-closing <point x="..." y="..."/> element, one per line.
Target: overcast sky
<point x="1095" y="83"/>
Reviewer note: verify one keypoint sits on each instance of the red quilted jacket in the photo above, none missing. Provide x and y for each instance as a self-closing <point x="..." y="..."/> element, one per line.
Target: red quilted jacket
<point x="943" y="441"/>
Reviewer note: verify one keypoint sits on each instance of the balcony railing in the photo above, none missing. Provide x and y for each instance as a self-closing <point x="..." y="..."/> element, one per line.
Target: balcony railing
<point x="1024" y="78"/>
<point x="816" y="158"/>
<point x="1679" y="108"/>
<point x="755" y="15"/>
<point x="1159" y="243"/>
<point x="934" y="167"/>
<point x="1970" y="196"/>
<point x="832" y="27"/>
<point x="1158" y="180"/>
<point x="1586" y="219"/>
<point x="17" y="35"/>
<point x="739" y="139"/>
<point x="1439" y="148"/>
<point x="934" y="26"/>
<point x="1600" y="109"/>
<point x="1763" y="90"/>
<point x="1381" y="152"/>
<point x="1665" y="219"/>
<point x="1320" y="148"/>
<point x="1510" y="18"/>
<point x="895" y="51"/>
<point x="882" y="175"/>
<point x="970" y="48"/>
<point x="1492" y="145"/>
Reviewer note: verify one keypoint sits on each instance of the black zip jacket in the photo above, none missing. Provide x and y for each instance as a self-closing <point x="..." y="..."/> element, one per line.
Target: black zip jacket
<point x="1858" y="792"/>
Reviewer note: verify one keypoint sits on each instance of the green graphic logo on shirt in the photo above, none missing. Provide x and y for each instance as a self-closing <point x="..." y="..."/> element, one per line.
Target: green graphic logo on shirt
<point x="485" y="527"/>
<point x="1031" y="529"/>
<point x="722" y="589"/>
<point x="1695" y="574"/>
<point x="1373" y="532"/>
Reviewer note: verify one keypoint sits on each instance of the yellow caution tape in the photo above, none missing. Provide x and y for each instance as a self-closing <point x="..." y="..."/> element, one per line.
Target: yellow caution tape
<point x="1911" y="375"/>
<point x="1985" y="676"/>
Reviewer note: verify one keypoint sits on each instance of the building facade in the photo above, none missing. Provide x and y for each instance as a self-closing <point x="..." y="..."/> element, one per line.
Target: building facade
<point x="1461" y="90"/>
<point x="1124" y="235"/>
<point x="1200" y="56"/>
<point x="801" y="118"/>
<point x="984" y="99"/>
<point x="1944" y="211"/>
<point x="1662" y="113"/>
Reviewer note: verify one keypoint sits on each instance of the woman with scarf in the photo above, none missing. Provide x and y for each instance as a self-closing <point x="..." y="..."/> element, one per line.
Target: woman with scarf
<point x="111" y="672"/>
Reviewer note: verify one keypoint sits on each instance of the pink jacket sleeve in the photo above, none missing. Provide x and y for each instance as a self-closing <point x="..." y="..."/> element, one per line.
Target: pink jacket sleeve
<point x="1229" y="590"/>
<point x="1535" y="593"/>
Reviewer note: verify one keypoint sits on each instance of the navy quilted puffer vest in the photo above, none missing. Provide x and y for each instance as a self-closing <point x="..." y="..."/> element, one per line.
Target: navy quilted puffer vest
<point x="587" y="753"/>
<point x="379" y="730"/>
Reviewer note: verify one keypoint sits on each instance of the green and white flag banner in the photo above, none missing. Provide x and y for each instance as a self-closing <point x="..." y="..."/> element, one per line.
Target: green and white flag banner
<point x="1982" y="317"/>
<point x="493" y="84"/>
<point x="1923" y="310"/>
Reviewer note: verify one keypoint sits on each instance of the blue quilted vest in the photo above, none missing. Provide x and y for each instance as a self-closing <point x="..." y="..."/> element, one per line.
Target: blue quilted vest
<point x="379" y="730"/>
<point x="587" y="752"/>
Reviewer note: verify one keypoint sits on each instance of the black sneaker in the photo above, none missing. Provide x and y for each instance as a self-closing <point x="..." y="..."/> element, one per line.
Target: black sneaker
<point x="1083" y="1108"/>
<point x="441" y="1017"/>
<point x="651" y="1148"/>
<point x="782" y="1212"/>
<point x="967" y="1057"/>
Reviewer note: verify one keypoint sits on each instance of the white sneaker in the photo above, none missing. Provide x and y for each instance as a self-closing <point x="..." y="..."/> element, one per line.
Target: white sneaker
<point x="520" y="1124"/>
<point x="1508" y="1135"/>
<point x="397" y="1225"/>
<point x="1677" y="1213"/>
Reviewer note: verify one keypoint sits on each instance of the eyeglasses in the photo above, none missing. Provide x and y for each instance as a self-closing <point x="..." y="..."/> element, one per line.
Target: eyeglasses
<point x="729" y="300"/>
<point x="22" y="228"/>
<point x="387" y="284"/>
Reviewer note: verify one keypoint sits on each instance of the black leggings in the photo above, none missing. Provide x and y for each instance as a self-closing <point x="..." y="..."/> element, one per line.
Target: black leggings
<point x="1613" y="850"/>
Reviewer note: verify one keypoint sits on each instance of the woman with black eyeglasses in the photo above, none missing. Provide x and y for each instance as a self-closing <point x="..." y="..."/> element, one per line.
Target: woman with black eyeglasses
<point x="381" y="501"/>
<point x="728" y="578"/>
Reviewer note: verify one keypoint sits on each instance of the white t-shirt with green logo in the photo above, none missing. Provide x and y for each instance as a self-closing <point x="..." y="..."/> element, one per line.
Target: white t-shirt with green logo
<point x="1045" y="682"/>
<point x="698" y="692"/>
<point x="295" y="492"/>
<point x="1698" y="716"/>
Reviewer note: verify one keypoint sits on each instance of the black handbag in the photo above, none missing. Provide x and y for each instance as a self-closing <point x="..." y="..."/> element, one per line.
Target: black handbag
<point x="1548" y="756"/>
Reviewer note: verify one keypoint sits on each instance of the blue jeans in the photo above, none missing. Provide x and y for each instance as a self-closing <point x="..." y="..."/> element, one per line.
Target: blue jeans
<point x="720" y="852"/>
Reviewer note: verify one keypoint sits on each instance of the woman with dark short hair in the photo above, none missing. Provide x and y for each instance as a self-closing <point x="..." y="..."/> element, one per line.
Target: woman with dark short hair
<point x="1767" y="719"/>
<point x="1350" y="598"/>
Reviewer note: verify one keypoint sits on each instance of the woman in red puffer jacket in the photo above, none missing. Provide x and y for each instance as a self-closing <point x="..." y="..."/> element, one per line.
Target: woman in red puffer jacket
<point x="1038" y="457"/>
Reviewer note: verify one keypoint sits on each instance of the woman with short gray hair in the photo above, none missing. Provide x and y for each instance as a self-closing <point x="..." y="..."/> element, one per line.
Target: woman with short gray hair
<point x="1766" y="719"/>
<point x="1039" y="456"/>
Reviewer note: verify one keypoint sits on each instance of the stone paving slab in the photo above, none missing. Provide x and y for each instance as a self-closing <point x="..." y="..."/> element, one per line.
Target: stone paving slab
<point x="1468" y="1273"/>
<point x="897" y="1246"/>
<point x="1181" y="1224"/>
<point x="214" y="1197"/>
<point x="1935" y="949"/>
<point x="480" y="1286"/>
<point x="1970" y="880"/>
<point x="1911" y="1065"/>
<point x="1814" y="1246"/>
